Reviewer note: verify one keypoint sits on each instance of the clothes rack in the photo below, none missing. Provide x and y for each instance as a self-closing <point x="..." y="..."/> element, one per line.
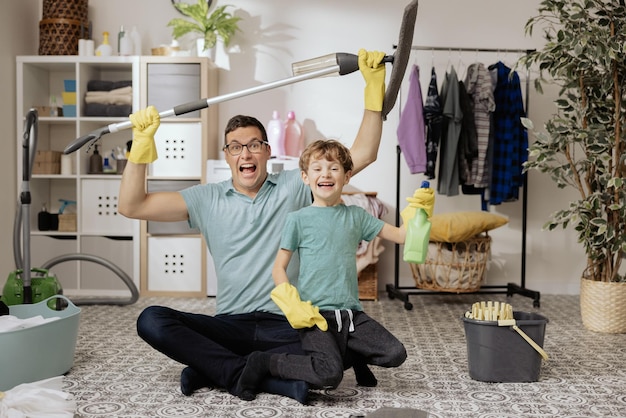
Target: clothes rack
<point x="395" y="290"/>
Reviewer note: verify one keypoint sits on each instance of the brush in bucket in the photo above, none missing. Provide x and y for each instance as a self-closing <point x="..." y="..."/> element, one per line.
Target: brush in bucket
<point x="496" y="353"/>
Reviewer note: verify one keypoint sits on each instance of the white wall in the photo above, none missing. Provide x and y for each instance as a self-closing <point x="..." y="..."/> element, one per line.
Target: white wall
<point x="278" y="32"/>
<point x="19" y="33"/>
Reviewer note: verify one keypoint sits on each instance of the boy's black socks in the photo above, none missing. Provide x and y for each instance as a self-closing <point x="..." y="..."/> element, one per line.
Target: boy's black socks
<point x="256" y="369"/>
<point x="364" y="376"/>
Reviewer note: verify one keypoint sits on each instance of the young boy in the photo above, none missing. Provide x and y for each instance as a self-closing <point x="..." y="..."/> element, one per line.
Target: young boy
<point x="326" y="235"/>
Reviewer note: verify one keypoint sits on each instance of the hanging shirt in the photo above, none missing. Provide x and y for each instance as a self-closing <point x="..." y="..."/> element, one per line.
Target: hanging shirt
<point x="432" y="118"/>
<point x="411" y="130"/>
<point x="510" y="139"/>
<point x="480" y="89"/>
<point x="448" y="183"/>
<point x="467" y="149"/>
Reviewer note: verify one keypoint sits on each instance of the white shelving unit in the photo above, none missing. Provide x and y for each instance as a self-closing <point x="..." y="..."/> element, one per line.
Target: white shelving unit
<point x="100" y="229"/>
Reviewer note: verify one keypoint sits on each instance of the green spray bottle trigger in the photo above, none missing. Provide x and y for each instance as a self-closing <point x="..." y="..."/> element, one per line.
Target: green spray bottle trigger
<point x="417" y="235"/>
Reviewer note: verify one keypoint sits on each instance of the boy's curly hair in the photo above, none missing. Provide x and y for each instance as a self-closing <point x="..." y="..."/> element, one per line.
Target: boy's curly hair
<point x="329" y="149"/>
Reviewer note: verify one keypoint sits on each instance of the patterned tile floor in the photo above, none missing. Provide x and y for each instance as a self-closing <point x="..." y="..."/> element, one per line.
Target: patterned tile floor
<point x="115" y="374"/>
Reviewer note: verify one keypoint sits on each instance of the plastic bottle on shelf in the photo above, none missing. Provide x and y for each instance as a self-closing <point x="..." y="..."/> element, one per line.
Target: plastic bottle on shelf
<point x="294" y="136"/>
<point x="276" y="135"/>
<point x="120" y="36"/>
<point x="107" y="168"/>
<point x="95" y="162"/>
<point x="54" y="108"/>
<point x="417" y="235"/>
<point x="135" y="36"/>
<point x="126" y="45"/>
<point x="104" y="49"/>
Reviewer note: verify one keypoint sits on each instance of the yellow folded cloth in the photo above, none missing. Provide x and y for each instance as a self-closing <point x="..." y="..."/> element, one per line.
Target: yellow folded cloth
<point x="69" y="97"/>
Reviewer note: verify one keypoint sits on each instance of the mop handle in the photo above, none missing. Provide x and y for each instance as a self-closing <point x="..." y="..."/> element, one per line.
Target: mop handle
<point x="347" y="66"/>
<point x="196" y="105"/>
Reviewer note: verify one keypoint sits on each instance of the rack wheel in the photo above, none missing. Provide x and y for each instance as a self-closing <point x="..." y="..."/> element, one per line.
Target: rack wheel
<point x="408" y="306"/>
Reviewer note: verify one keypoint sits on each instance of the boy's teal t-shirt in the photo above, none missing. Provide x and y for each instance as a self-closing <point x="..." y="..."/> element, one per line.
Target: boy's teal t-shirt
<point x="326" y="239"/>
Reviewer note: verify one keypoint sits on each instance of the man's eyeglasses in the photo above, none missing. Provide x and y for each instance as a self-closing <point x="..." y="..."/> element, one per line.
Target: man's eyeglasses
<point x="235" y="148"/>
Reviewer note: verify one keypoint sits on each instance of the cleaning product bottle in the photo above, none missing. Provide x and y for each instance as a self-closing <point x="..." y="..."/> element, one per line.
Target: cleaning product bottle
<point x="107" y="168"/>
<point x="120" y="35"/>
<point x="95" y="162"/>
<point x="417" y="235"/>
<point x="104" y="49"/>
<point x="276" y="135"/>
<point x="294" y="136"/>
<point x="136" y="38"/>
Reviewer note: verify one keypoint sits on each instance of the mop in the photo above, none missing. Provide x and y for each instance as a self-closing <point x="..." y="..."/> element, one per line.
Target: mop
<point x="339" y="63"/>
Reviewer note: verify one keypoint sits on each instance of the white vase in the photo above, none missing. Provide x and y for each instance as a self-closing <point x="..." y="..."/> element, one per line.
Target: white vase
<point x="201" y="52"/>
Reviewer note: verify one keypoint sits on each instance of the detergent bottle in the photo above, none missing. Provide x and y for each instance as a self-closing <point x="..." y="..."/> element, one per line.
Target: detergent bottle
<point x="417" y="235"/>
<point x="104" y="49"/>
<point x="276" y="135"/>
<point x="294" y="138"/>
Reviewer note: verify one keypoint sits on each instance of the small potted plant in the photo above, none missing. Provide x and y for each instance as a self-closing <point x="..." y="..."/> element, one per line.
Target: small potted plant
<point x="211" y="26"/>
<point x="584" y="143"/>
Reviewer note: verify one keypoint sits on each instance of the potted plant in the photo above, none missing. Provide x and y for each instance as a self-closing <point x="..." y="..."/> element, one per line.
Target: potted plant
<point x="218" y="24"/>
<point x="583" y="144"/>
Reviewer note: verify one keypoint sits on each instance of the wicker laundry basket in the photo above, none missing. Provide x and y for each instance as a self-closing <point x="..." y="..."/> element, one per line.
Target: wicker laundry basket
<point x="457" y="267"/>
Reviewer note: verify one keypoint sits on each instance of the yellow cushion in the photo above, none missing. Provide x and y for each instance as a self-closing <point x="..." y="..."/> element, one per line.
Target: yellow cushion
<point x="461" y="226"/>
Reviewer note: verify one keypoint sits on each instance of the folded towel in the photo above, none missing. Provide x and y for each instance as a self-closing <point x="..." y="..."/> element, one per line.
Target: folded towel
<point x="99" y="109"/>
<point x="99" y="85"/>
<point x="104" y="85"/>
<point x="111" y="97"/>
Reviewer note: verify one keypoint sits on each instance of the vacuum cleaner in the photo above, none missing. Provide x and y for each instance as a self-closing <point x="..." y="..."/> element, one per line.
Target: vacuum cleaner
<point x="28" y="285"/>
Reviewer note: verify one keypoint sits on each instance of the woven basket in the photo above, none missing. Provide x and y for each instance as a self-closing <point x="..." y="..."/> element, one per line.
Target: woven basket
<point x="368" y="283"/>
<point x="66" y="9"/>
<point x="59" y="36"/>
<point x="603" y="306"/>
<point x="454" y="267"/>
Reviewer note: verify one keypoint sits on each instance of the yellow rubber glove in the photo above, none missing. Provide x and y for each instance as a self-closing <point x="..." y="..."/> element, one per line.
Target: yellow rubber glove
<point x="374" y="74"/>
<point x="145" y="124"/>
<point x="423" y="198"/>
<point x="299" y="314"/>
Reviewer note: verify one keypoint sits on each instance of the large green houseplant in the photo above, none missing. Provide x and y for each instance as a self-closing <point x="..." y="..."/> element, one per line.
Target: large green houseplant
<point x="583" y="144"/>
<point x="218" y="23"/>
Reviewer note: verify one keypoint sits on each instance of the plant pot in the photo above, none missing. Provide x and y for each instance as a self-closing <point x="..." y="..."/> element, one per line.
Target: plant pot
<point x="201" y="52"/>
<point x="603" y="306"/>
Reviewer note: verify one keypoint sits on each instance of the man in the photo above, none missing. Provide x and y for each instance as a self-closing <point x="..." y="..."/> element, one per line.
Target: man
<point x="241" y="220"/>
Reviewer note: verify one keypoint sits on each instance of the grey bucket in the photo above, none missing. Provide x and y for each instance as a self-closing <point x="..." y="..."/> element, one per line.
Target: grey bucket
<point x="499" y="354"/>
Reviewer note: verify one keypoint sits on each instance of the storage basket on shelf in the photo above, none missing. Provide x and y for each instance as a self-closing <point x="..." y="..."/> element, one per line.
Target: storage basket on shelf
<point x="457" y="267"/>
<point x="59" y="36"/>
<point x="66" y="9"/>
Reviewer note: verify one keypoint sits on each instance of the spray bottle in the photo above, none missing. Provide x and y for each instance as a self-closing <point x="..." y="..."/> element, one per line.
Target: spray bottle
<point x="417" y="235"/>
